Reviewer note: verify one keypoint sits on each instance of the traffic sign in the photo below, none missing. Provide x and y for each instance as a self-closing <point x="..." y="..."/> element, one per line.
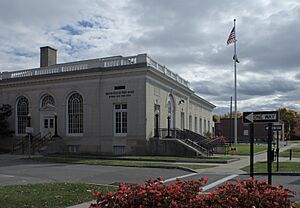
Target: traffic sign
<point x="275" y="128"/>
<point x="29" y="129"/>
<point x="260" y="117"/>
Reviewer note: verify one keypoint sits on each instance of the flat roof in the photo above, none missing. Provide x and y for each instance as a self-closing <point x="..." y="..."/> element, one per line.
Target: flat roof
<point x="114" y="61"/>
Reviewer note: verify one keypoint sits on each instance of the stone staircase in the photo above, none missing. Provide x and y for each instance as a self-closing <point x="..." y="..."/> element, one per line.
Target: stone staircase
<point x="201" y="145"/>
<point x="37" y="143"/>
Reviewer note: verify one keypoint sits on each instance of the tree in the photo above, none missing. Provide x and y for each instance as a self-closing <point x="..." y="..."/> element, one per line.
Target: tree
<point x="290" y="119"/>
<point x="217" y="118"/>
<point x="5" y="112"/>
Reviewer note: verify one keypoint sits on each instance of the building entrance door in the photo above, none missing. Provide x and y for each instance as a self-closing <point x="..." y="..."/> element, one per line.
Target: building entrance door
<point x="48" y="125"/>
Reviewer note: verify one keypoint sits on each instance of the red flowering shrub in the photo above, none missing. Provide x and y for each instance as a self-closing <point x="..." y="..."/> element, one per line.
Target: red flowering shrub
<point x="252" y="194"/>
<point x="186" y="194"/>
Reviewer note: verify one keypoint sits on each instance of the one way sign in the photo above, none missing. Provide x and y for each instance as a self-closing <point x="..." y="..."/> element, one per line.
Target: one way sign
<point x="260" y="116"/>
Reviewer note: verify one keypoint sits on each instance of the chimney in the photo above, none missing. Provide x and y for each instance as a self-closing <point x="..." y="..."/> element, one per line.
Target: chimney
<point x="47" y="56"/>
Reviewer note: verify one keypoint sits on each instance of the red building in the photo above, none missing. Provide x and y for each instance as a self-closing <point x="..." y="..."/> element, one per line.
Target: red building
<point x="226" y="128"/>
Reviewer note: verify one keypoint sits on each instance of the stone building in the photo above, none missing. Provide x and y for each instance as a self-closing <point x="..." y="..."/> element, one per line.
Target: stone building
<point x="104" y="105"/>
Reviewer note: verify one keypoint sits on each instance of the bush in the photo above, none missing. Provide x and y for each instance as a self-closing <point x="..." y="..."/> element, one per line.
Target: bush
<point x="154" y="193"/>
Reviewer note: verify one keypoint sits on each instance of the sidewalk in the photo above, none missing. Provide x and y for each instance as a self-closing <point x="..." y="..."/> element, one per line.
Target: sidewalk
<point x="234" y="167"/>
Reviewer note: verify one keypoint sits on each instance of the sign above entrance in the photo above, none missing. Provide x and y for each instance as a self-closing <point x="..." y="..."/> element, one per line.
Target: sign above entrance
<point x="117" y="94"/>
<point x="260" y="117"/>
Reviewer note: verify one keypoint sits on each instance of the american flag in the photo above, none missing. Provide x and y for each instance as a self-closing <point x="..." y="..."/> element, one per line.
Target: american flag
<point x="231" y="38"/>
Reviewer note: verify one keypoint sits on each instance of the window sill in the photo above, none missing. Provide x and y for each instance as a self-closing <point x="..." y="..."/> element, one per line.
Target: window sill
<point x="120" y="135"/>
<point x="74" y="135"/>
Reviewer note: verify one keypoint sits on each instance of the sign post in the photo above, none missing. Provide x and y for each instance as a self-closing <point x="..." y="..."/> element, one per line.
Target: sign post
<point x="29" y="131"/>
<point x="261" y="117"/>
<point x="270" y="138"/>
<point x="277" y="129"/>
<point x="251" y="149"/>
<point x="277" y="150"/>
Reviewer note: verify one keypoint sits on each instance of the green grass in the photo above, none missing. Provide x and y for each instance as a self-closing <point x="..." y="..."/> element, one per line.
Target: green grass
<point x="295" y="153"/>
<point x="289" y="167"/>
<point x="48" y="194"/>
<point x="244" y="149"/>
<point x="121" y="163"/>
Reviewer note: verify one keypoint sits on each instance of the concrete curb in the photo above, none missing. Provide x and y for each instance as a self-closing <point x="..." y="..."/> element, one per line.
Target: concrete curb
<point x="275" y="173"/>
<point x="152" y="160"/>
<point x="132" y="166"/>
<point x="83" y="205"/>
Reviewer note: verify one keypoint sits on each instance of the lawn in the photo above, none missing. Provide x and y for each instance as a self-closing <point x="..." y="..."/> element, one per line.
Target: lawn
<point x="295" y="153"/>
<point x="48" y="194"/>
<point x="289" y="167"/>
<point x="244" y="149"/>
<point x="121" y="163"/>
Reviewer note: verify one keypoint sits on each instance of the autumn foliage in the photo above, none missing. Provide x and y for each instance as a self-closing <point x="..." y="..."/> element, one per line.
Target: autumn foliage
<point x="188" y="194"/>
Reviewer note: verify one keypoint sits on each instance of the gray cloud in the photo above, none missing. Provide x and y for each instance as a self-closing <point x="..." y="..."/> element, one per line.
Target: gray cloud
<point x="266" y="86"/>
<point x="188" y="37"/>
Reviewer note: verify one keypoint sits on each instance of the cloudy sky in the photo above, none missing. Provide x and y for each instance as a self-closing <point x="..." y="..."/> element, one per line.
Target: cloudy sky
<point x="189" y="37"/>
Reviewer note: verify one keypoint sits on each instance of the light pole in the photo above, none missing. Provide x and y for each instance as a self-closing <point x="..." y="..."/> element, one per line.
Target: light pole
<point x="156" y="134"/>
<point x="55" y="125"/>
<point x="169" y="120"/>
<point x="29" y="134"/>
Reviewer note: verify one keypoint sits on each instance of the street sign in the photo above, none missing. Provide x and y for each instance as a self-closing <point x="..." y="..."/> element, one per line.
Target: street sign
<point x="275" y="128"/>
<point x="260" y="117"/>
<point x="29" y="130"/>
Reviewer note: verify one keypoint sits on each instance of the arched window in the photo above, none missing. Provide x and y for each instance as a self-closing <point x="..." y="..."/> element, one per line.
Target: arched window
<point x="22" y="115"/>
<point x="75" y="114"/>
<point x="47" y="101"/>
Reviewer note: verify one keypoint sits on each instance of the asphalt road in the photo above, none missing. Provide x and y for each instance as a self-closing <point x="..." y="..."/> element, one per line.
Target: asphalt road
<point x="19" y="171"/>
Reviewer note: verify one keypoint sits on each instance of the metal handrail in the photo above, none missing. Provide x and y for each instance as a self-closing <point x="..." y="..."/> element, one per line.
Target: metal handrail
<point x="194" y="139"/>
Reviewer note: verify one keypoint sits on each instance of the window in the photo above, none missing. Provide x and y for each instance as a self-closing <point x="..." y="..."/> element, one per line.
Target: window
<point x="120" y="114"/>
<point x="171" y="111"/>
<point x="51" y="123"/>
<point x="156" y="119"/>
<point x="119" y="150"/>
<point x="196" y="124"/>
<point x="205" y="125"/>
<point x="22" y="115"/>
<point x="47" y="101"/>
<point x="200" y="125"/>
<point x="208" y="124"/>
<point x="119" y="87"/>
<point x="73" y="148"/>
<point x="46" y="123"/>
<point x="182" y="120"/>
<point x="190" y="122"/>
<point x="75" y="114"/>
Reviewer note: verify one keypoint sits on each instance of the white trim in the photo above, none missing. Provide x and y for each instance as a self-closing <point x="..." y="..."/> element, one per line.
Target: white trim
<point x="114" y="116"/>
<point x="218" y="182"/>
<point x="183" y="176"/>
<point x="16" y="115"/>
<point x="67" y="115"/>
<point x="74" y="135"/>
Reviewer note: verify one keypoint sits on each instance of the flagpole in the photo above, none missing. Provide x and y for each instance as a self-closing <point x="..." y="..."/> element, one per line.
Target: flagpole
<point x="235" y="94"/>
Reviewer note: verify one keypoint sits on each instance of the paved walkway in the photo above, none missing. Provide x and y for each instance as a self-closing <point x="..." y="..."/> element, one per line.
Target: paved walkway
<point x="234" y="167"/>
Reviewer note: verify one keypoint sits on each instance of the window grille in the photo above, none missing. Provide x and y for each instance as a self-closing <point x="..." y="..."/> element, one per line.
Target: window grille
<point x="120" y="112"/>
<point x="75" y="114"/>
<point x="22" y="115"/>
